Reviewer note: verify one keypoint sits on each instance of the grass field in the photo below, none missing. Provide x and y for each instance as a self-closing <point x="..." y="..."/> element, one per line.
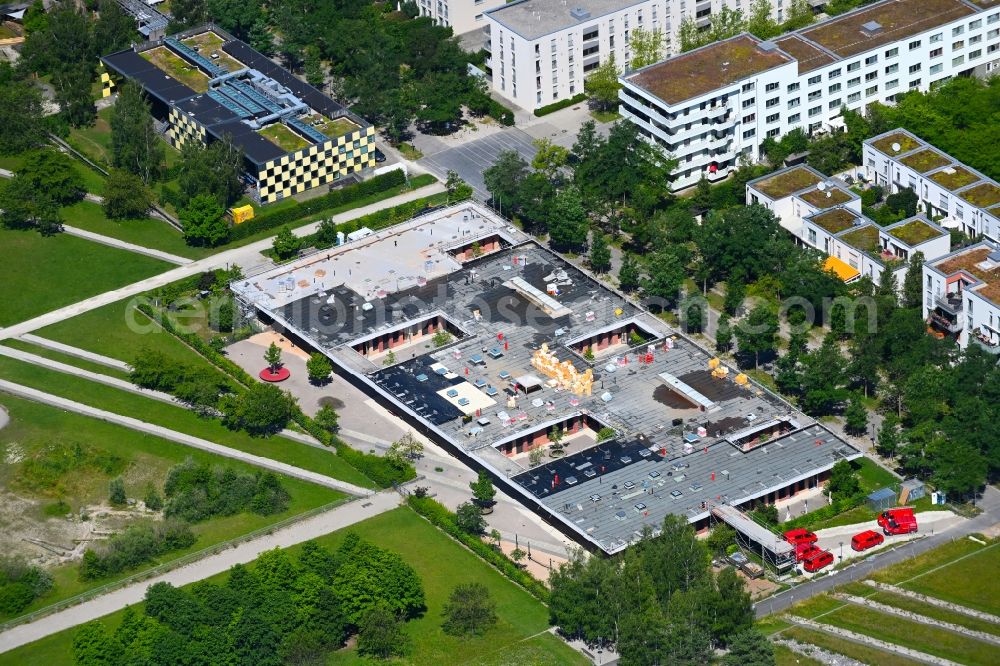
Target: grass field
<point x="936" y="612"/>
<point x="940" y="556"/>
<point x="862" y="653"/>
<point x="784" y="656"/>
<point x="151" y="233"/>
<point x="94" y="141"/>
<point x="441" y="564"/>
<point x="40" y="274"/>
<point x="954" y="583"/>
<point x="175" y="417"/>
<point x="147" y="460"/>
<point x="65" y="358"/>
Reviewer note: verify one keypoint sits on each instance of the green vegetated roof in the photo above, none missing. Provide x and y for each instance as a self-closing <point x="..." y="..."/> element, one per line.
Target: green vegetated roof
<point x="283" y="137"/>
<point x="784" y="183"/>
<point x="954" y="178"/>
<point x="925" y="160"/>
<point x="828" y="198"/>
<point x="983" y="195"/>
<point x="905" y="141"/>
<point x="865" y="239"/>
<point x="969" y="262"/>
<point x="914" y="232"/>
<point x="836" y="220"/>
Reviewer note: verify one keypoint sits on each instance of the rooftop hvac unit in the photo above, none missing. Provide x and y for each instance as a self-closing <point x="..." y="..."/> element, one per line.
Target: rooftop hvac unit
<point x="579" y="13"/>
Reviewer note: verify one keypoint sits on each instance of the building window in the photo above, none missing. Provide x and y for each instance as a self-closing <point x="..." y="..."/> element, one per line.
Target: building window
<point x="815" y="95"/>
<point x="914" y="68"/>
<point x="936" y="38"/>
<point x="771" y="103"/>
<point x="854" y="82"/>
<point x="937" y="52"/>
<point x="871" y="91"/>
<point x="975" y="25"/>
<point x="854" y="97"/>
<point x="892" y="53"/>
<point x="975" y="54"/>
<point x="771" y="87"/>
<point x="871" y="76"/>
<point x="773" y="132"/>
<point x="773" y="118"/>
<point x="747" y="87"/>
<point x="793" y="119"/>
<point x="834" y="104"/>
<point x="854" y="66"/>
<point x="815" y="111"/>
<point x="792" y="87"/>
<point x="959" y="45"/>
<point x="749" y="118"/>
<point x="993" y="18"/>
<point x="957" y="30"/>
<point x="747" y="103"/>
<point x="993" y="34"/>
<point x="889" y="85"/>
<point x="749" y="133"/>
<point x="812" y="236"/>
<point x="813" y="80"/>
<point x="834" y="88"/>
<point x="892" y="69"/>
<point x="871" y="60"/>
<point x="957" y="61"/>
<point x="975" y="39"/>
<point x="914" y="84"/>
<point x="936" y="69"/>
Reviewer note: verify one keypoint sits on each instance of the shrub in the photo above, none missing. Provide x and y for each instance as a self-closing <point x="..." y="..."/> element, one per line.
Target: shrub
<point x="262" y="409"/>
<point x="197" y="491"/>
<point x="116" y="491"/>
<point x="384" y="472"/>
<point x="139" y="543"/>
<point x="20" y="584"/>
<point x="561" y="104"/>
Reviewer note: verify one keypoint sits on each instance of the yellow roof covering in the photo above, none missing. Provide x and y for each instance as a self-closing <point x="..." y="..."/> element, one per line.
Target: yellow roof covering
<point x="841" y="269"/>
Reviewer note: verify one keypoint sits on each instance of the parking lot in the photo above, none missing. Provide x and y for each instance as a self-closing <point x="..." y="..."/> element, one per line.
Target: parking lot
<point x="471" y="158"/>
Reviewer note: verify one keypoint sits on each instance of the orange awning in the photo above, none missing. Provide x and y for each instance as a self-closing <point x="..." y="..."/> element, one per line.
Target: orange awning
<point x="841" y="269"/>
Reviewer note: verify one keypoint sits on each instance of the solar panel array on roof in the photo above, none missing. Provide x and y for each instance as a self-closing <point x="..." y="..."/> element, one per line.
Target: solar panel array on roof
<point x="190" y="54"/>
<point x="310" y="133"/>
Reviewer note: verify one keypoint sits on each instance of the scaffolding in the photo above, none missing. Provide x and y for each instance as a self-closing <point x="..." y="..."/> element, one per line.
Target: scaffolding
<point x="774" y="551"/>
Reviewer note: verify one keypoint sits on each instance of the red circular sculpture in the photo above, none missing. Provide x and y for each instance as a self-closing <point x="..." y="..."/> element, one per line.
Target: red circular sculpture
<point x="279" y="376"/>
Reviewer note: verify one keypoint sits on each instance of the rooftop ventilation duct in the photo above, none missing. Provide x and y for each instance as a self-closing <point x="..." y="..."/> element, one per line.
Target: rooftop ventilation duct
<point x="579" y="13"/>
<point x="871" y="28"/>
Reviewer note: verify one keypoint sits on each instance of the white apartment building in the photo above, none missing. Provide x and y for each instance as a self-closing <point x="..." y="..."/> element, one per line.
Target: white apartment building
<point x="709" y="106"/>
<point x="823" y="214"/>
<point x="461" y="15"/>
<point x="961" y="197"/>
<point x="540" y="51"/>
<point x="962" y="296"/>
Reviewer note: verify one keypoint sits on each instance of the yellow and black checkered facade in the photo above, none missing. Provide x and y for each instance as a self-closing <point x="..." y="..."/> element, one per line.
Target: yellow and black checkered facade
<point x="108" y="86"/>
<point x="317" y="165"/>
<point x="183" y="128"/>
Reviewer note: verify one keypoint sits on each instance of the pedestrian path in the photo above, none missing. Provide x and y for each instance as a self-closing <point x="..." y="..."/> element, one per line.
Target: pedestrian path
<point x="123" y="245"/>
<point x="77" y="352"/>
<point x="336" y="518"/>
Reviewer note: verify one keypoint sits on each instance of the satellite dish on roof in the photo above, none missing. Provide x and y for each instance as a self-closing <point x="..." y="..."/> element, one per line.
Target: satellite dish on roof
<point x="821" y="187"/>
<point x="829" y="194"/>
<point x="896" y="147"/>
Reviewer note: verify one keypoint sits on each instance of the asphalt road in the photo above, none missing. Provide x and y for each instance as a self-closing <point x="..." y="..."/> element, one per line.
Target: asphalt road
<point x="472" y="157"/>
<point x="991" y="508"/>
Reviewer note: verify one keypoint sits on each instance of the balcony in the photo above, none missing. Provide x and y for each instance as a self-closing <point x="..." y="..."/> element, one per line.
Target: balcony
<point x="985" y="342"/>
<point x="949" y="303"/>
<point x="944" y="324"/>
<point x="488" y="46"/>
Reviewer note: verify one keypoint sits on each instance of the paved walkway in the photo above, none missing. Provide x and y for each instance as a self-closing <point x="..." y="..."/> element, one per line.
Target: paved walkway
<point x="873" y="642"/>
<point x="310" y="528"/>
<point x="122" y="245"/>
<point x="248" y="255"/>
<point x="77" y="352"/>
<point x="181" y="438"/>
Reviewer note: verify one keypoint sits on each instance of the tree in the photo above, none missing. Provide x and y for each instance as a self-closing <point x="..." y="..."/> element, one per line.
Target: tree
<point x="647" y="47"/>
<point x="759" y="22"/>
<point x="720" y="538"/>
<point x="24" y="206"/>
<point x="263" y="409"/>
<point x="724" y="334"/>
<point x="214" y="170"/>
<point x="21" y="122"/>
<point x="758" y="333"/>
<point x="483" y="491"/>
<point x="202" y="221"/>
<point x="186" y="13"/>
<point x="381" y="634"/>
<point x="688" y="34"/>
<point x="458" y="189"/>
<point x="286" y="244"/>
<point x="469" y="610"/>
<point x="470" y="519"/>
<point x="888" y="436"/>
<point x="116" y="491"/>
<point x="913" y="290"/>
<point x="666" y="279"/>
<point x="600" y="253"/>
<point x="856" y="417"/>
<point x="272" y="356"/>
<point x="568" y="222"/>
<point x="135" y="145"/>
<point x="503" y="180"/>
<point x="54" y="174"/>
<point x="843" y="481"/>
<point x="823" y="378"/>
<point x="766" y="514"/>
<point x="152" y="500"/>
<point x="327" y="419"/>
<point x="549" y="158"/>
<point x="733" y="609"/>
<point x="406" y="448"/>
<point x="749" y="648"/>
<point x="628" y="273"/>
<point x="126" y="197"/>
<point x="93" y="645"/>
<point x="602" y="84"/>
<point x="72" y="93"/>
<point x="958" y="468"/>
<point x="114" y="30"/>
<point x="315" y="71"/>
<point x="318" y="367"/>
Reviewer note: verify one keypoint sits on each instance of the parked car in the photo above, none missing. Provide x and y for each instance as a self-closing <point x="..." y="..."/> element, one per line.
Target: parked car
<point x="379" y="156"/>
<point x="818" y="561"/>
<point x="867" y="539"/>
<point x="806" y="550"/>
<point x="800" y="535"/>
<point x="898" y="521"/>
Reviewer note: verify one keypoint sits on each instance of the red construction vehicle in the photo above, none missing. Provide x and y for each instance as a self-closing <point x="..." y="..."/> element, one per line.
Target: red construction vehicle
<point x="818" y="561"/>
<point x="898" y="521"/>
<point x="800" y="535"/>
<point x="866" y="540"/>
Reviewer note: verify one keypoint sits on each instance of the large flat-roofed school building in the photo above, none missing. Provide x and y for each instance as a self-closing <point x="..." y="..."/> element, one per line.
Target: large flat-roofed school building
<point x="585" y="407"/>
<point x="204" y="84"/>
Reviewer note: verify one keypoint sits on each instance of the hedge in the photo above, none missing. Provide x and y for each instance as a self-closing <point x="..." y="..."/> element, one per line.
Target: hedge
<point x="561" y="104"/>
<point x="333" y="199"/>
<point x="379" y="469"/>
<point x="444" y="519"/>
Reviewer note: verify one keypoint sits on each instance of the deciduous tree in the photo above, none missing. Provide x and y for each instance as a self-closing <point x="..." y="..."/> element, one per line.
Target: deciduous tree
<point x="202" y="221"/>
<point x="126" y="197"/>
<point x="469" y="611"/>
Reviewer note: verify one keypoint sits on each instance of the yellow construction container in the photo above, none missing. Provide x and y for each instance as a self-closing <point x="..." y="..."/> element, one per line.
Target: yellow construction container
<point x="241" y="214"/>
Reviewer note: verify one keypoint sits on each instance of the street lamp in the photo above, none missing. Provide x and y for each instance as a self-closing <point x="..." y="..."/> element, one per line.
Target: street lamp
<point x="841" y="551"/>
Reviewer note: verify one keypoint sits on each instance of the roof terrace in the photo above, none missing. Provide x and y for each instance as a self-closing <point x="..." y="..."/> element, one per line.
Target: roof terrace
<point x="865" y="239"/>
<point x="914" y="232"/>
<point x="828" y="197"/>
<point x="787" y="182"/>
<point x="709" y="68"/>
<point x="977" y="262"/>
<point x="834" y="221"/>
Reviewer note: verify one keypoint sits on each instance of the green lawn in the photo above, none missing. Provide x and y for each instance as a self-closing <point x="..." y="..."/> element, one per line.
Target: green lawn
<point x="784" y="656"/>
<point x="936" y="612"/>
<point x="75" y="361"/>
<point x="973" y="582"/>
<point x="120" y="331"/>
<point x="922" y="637"/>
<point x="937" y="557"/>
<point x="40" y="274"/>
<point x="862" y="653"/>
<point x="148" y="458"/>
<point x="175" y="417"/>
<point x="155" y="234"/>
<point x="94" y="141"/>
<point x="441" y="563"/>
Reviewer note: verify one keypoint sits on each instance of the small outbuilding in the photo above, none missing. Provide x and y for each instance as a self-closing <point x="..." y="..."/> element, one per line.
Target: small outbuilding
<point x="882" y="499"/>
<point x="911" y="490"/>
